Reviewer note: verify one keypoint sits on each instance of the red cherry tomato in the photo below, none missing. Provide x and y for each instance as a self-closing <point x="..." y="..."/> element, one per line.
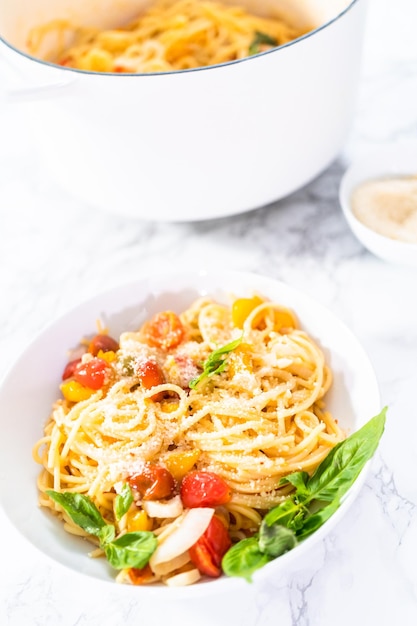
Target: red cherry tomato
<point x="164" y="330"/>
<point x="150" y="375"/>
<point x="153" y="482"/>
<point x="92" y="374"/>
<point x="208" y="551"/>
<point x="103" y="343"/>
<point x="70" y="368"/>
<point x="204" y="489"/>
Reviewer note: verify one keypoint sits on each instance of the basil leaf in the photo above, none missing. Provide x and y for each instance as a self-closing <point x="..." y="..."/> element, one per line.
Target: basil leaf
<point x="131" y="550"/>
<point x="276" y="539"/>
<point x="299" y="480"/>
<point x="259" y="39"/>
<point x="123" y="501"/>
<point x="297" y="521"/>
<point x="284" y="513"/>
<point x="340" y="468"/>
<point x="244" y="558"/>
<point x="81" y="510"/>
<point x="317" y="519"/>
<point x="106" y="534"/>
<point x="216" y="362"/>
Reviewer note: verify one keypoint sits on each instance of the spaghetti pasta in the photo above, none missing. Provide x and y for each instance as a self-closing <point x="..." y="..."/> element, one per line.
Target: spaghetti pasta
<point x="170" y="35"/>
<point x="233" y="391"/>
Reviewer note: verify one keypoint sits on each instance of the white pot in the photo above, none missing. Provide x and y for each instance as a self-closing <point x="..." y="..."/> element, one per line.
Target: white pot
<point x="194" y="144"/>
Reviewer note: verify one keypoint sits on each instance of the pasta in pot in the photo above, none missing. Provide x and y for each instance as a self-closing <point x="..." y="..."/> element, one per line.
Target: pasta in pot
<point x="231" y="391"/>
<point x="170" y="35"/>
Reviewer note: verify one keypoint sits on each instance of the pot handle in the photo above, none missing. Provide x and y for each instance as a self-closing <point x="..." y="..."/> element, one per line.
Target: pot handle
<point x="14" y="89"/>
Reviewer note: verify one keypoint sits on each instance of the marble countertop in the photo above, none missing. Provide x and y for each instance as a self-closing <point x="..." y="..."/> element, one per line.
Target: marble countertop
<point x="54" y="252"/>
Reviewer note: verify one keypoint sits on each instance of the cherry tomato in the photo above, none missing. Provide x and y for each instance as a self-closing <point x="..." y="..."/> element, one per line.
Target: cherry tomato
<point x="150" y="374"/>
<point x="208" y="551"/>
<point x="70" y="368"/>
<point x="164" y="330"/>
<point x="204" y="489"/>
<point x="103" y="343"/>
<point x="153" y="482"/>
<point x="242" y="308"/>
<point x="92" y="374"/>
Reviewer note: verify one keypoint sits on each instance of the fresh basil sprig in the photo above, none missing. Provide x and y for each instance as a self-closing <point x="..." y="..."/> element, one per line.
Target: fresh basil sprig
<point x="216" y="362"/>
<point x="123" y="501"/>
<point x="129" y="550"/>
<point x="261" y="39"/>
<point x="314" y="500"/>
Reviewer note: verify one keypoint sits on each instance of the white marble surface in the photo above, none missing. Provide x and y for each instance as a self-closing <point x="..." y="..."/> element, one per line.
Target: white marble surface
<point x="54" y="252"/>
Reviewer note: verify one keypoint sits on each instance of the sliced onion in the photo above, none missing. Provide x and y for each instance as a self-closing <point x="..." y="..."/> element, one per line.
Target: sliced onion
<point x="163" y="532"/>
<point x="193" y="525"/>
<point x="167" y="509"/>
<point x="166" y="568"/>
<point x="185" y="578"/>
<point x="118" y="486"/>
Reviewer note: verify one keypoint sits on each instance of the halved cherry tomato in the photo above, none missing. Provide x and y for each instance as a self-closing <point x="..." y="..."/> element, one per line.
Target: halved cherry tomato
<point x="70" y="368"/>
<point x="153" y="482"/>
<point x="105" y="343"/>
<point x="204" y="489"/>
<point x="208" y="551"/>
<point x="164" y="330"/>
<point x="92" y="374"/>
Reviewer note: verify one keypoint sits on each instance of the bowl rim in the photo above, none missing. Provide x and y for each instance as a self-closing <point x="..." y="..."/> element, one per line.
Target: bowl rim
<point x="203" y="588"/>
<point x="126" y="75"/>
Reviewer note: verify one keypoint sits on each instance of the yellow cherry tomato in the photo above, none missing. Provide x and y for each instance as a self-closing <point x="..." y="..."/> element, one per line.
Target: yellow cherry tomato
<point x="284" y="320"/>
<point x="73" y="391"/>
<point x="179" y="463"/>
<point x="109" y="356"/>
<point x="242" y="308"/>
<point x="138" y="520"/>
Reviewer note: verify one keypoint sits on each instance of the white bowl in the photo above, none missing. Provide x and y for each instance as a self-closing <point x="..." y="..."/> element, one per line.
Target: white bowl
<point x="388" y="161"/>
<point x="30" y="388"/>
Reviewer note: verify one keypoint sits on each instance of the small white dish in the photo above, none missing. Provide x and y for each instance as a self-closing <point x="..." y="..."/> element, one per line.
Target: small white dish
<point x="392" y="161"/>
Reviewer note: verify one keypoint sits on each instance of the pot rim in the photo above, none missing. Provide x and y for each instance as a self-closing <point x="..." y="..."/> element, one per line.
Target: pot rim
<point x="185" y="71"/>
